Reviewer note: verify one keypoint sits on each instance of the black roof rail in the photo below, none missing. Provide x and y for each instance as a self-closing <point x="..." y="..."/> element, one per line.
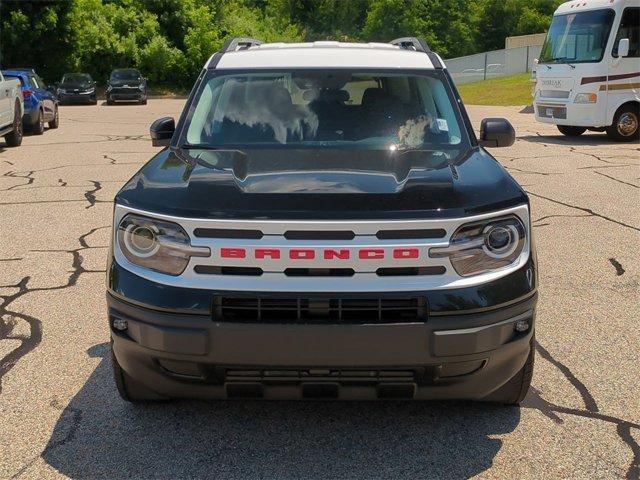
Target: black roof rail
<point x="419" y="45"/>
<point x="232" y="45"/>
<point x="239" y="43"/>
<point x="412" y="43"/>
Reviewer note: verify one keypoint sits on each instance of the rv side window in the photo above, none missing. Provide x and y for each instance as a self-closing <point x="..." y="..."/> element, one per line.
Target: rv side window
<point x="629" y="28"/>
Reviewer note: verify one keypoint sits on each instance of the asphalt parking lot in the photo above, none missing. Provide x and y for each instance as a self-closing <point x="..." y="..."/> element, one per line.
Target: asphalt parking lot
<point x="60" y="415"/>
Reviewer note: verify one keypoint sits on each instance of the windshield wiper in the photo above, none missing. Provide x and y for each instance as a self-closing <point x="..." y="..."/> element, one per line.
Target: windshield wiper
<point x="562" y="60"/>
<point x="198" y="146"/>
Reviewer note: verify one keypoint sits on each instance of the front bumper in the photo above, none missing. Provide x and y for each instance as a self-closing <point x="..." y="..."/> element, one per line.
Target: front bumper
<point x="80" y="97"/>
<point x="464" y="356"/>
<point x="571" y="114"/>
<point x="127" y="96"/>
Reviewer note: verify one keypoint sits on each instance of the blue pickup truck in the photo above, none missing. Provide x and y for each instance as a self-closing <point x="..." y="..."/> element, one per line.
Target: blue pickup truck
<point x="40" y="104"/>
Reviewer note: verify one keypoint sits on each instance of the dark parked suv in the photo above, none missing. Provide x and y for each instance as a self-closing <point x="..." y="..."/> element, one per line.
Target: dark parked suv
<point x="323" y="223"/>
<point x="77" y="88"/>
<point x="126" y="85"/>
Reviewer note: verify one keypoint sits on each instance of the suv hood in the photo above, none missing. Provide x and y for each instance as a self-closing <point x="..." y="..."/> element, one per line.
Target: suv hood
<point x="120" y="83"/>
<point x="321" y="184"/>
<point x="78" y="85"/>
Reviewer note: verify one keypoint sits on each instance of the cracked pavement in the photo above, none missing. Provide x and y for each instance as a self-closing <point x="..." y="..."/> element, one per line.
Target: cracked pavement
<point x="60" y="416"/>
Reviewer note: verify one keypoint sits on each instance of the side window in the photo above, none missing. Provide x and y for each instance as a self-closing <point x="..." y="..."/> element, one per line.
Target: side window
<point x="629" y="28"/>
<point x="34" y="82"/>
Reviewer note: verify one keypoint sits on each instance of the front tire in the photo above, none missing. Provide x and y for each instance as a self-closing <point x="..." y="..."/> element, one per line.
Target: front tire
<point x="109" y="100"/>
<point x="55" y="123"/>
<point x="38" y="127"/>
<point x="129" y="389"/>
<point x="14" y="138"/>
<point x="570" y="131"/>
<point x="514" y="391"/>
<point x="626" y="124"/>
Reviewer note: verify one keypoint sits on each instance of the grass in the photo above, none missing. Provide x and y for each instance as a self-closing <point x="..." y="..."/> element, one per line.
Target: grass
<point x="504" y="91"/>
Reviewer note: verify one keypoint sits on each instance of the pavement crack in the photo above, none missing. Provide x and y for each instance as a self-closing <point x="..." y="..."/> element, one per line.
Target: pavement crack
<point x="532" y="172"/>
<point x="588" y="400"/>
<point x="8" y="316"/>
<point x="27" y="343"/>
<point x="28" y="177"/>
<point x="90" y="195"/>
<point x="584" y="209"/>
<point x="617" y="179"/>
<point x="618" y="266"/>
<point x="591" y="411"/>
<point x="624" y="432"/>
<point x="592" y="155"/>
<point x="70" y="415"/>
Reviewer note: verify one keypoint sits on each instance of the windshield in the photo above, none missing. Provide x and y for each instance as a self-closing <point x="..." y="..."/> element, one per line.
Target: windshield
<point x="330" y="108"/>
<point x="125" y="75"/>
<point x="577" y="37"/>
<point x="76" y="78"/>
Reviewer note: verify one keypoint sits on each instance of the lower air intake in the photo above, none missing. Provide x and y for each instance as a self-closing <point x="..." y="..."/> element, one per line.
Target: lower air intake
<point x="320" y="310"/>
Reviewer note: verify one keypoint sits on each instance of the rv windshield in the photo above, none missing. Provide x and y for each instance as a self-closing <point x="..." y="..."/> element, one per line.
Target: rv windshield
<point x="577" y="37"/>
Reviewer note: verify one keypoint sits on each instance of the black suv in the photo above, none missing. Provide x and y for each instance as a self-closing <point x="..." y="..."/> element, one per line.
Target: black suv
<point x="323" y="223"/>
<point x="126" y="85"/>
<point x="77" y="88"/>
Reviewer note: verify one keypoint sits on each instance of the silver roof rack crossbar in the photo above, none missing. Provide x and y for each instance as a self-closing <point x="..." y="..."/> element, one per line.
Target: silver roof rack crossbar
<point x="412" y="43"/>
<point x="239" y="43"/>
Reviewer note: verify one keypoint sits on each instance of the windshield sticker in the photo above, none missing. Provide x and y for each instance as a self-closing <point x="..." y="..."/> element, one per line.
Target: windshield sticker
<point x="443" y="126"/>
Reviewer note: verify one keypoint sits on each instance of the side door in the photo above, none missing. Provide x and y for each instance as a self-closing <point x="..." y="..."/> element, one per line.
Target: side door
<point x="624" y="73"/>
<point x="5" y="103"/>
<point x="44" y="96"/>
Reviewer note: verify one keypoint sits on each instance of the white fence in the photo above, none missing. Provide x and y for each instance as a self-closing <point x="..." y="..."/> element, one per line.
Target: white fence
<point x="498" y="63"/>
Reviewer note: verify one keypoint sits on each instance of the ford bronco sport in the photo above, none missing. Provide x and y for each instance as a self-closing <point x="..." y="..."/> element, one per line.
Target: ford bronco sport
<point x="323" y="223"/>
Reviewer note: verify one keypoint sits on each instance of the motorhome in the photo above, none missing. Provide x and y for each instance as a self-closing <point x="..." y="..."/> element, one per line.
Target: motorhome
<point x="588" y="73"/>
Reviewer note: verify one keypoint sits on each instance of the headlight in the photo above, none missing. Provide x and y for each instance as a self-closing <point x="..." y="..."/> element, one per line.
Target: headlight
<point x="586" y="98"/>
<point x="90" y="90"/>
<point x="109" y="88"/>
<point x="141" y="87"/>
<point x="157" y="245"/>
<point x="484" y="246"/>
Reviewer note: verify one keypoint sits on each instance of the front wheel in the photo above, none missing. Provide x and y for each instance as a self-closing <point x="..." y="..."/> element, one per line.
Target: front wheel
<point x="14" y="138"/>
<point x="571" y="131"/>
<point x="55" y="123"/>
<point x="38" y="127"/>
<point x="625" y="124"/>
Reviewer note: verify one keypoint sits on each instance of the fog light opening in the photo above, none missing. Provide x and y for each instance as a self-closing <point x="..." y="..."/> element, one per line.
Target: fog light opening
<point x="522" y="325"/>
<point x="120" y="324"/>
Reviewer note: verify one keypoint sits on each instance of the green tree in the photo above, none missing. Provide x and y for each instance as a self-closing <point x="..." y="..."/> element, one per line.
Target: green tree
<point x="444" y="24"/>
<point x="35" y="34"/>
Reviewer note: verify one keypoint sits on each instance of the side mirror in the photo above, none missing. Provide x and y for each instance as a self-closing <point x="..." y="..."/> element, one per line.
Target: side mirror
<point x="161" y="131"/>
<point x="496" y="132"/>
<point x="623" y="48"/>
